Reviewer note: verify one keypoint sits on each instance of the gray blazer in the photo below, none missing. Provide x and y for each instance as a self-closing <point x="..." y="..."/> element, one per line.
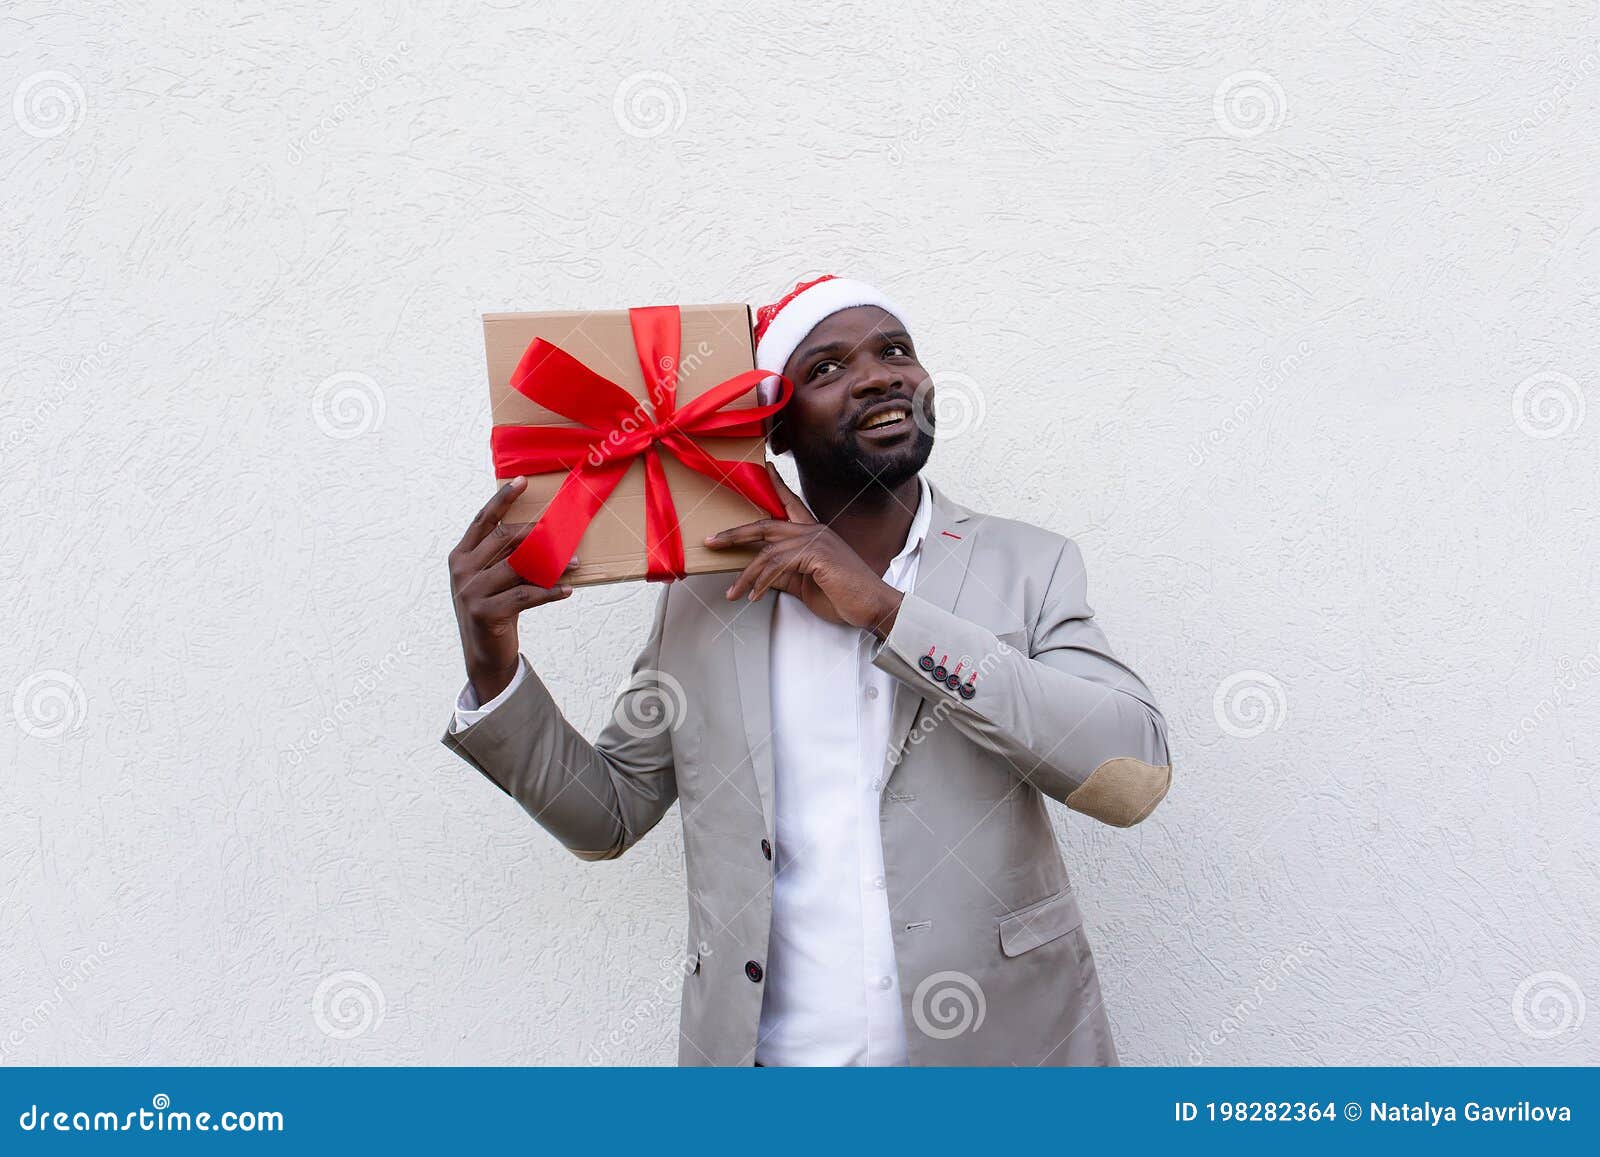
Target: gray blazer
<point x="995" y="966"/>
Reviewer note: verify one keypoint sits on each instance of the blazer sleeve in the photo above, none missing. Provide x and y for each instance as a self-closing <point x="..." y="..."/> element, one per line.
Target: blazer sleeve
<point x="600" y="798"/>
<point x="1069" y="717"/>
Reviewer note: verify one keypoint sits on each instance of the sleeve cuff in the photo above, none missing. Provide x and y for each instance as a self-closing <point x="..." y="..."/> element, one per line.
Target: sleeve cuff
<point x="469" y="712"/>
<point x="952" y="647"/>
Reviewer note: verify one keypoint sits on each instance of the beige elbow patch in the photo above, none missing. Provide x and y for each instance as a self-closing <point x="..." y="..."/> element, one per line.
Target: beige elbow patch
<point x="1122" y="791"/>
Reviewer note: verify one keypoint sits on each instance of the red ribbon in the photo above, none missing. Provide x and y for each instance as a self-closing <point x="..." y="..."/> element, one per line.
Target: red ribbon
<point x="616" y="431"/>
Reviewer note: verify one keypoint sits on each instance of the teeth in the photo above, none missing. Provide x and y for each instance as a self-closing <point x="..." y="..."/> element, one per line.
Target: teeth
<point x="884" y="419"/>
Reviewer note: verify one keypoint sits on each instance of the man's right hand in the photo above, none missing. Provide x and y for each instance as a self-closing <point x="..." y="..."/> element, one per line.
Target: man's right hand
<point x="489" y="595"/>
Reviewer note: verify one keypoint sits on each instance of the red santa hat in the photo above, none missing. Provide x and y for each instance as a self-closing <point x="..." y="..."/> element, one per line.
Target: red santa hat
<point x="783" y="325"/>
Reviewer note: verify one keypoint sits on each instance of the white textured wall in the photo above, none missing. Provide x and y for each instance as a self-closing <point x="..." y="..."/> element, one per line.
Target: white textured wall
<point x="1305" y="372"/>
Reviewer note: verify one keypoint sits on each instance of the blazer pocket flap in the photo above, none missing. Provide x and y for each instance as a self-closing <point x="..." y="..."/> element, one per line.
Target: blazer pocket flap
<point x="1039" y="923"/>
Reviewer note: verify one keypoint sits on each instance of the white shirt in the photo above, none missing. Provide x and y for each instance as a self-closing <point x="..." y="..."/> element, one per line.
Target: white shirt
<point x="832" y="990"/>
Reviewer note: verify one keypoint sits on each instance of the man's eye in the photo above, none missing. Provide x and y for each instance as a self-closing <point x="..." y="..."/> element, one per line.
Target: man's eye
<point x="822" y="367"/>
<point x="895" y="349"/>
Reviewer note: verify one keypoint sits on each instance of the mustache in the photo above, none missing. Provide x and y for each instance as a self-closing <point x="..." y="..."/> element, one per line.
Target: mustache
<point x="922" y="412"/>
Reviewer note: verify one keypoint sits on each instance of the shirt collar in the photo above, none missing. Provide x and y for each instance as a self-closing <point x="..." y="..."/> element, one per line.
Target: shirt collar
<point x="919" y="522"/>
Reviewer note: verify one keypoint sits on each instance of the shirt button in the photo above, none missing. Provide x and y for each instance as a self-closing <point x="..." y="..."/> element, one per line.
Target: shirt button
<point x="878" y="883"/>
<point x="885" y="982"/>
<point x="872" y="692"/>
<point x="753" y="970"/>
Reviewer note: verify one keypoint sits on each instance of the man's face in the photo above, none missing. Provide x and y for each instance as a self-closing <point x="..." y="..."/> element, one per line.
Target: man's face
<point x="851" y="418"/>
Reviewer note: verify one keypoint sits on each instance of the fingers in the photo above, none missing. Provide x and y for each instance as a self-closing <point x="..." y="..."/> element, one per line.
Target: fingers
<point x="763" y="530"/>
<point x="778" y="572"/>
<point x="791" y="501"/>
<point x="747" y="576"/>
<point x="773" y="567"/>
<point x="499" y="544"/>
<point x="520" y="598"/>
<point x="768" y="575"/>
<point x="500" y="577"/>
<point x="493" y="510"/>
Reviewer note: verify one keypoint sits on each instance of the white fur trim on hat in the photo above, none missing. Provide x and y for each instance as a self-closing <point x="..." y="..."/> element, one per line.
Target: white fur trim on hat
<point x="802" y="314"/>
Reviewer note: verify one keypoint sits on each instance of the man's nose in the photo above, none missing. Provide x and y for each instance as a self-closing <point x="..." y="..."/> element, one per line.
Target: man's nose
<point x="878" y="378"/>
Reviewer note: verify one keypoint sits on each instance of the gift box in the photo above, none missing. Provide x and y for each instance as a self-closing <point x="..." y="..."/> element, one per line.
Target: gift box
<point x="639" y="432"/>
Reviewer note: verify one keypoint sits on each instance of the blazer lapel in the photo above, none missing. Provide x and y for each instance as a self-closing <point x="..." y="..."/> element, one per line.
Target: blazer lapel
<point x="940" y="573"/>
<point x="751" y="629"/>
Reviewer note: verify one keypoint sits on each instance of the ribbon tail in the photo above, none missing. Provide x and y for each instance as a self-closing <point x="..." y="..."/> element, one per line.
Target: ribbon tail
<point x="544" y="554"/>
<point x="747" y="478"/>
<point x="663" y="535"/>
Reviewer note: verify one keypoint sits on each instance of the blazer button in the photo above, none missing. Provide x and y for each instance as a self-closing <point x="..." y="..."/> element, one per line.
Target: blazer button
<point x="926" y="662"/>
<point x="939" y="674"/>
<point x="967" y="690"/>
<point x="753" y="971"/>
<point x="766" y="848"/>
<point x="953" y="682"/>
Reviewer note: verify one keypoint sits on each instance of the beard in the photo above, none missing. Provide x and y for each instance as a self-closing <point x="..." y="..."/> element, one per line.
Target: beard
<point x="845" y="462"/>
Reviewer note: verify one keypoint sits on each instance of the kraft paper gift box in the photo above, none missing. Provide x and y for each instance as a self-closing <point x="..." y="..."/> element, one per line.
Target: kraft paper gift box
<point x="713" y="354"/>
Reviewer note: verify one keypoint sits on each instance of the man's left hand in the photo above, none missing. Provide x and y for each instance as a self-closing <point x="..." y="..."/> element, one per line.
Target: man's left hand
<point x="806" y="559"/>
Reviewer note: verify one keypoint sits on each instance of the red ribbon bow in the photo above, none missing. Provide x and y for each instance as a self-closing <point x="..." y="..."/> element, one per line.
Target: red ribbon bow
<point x="617" y="430"/>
